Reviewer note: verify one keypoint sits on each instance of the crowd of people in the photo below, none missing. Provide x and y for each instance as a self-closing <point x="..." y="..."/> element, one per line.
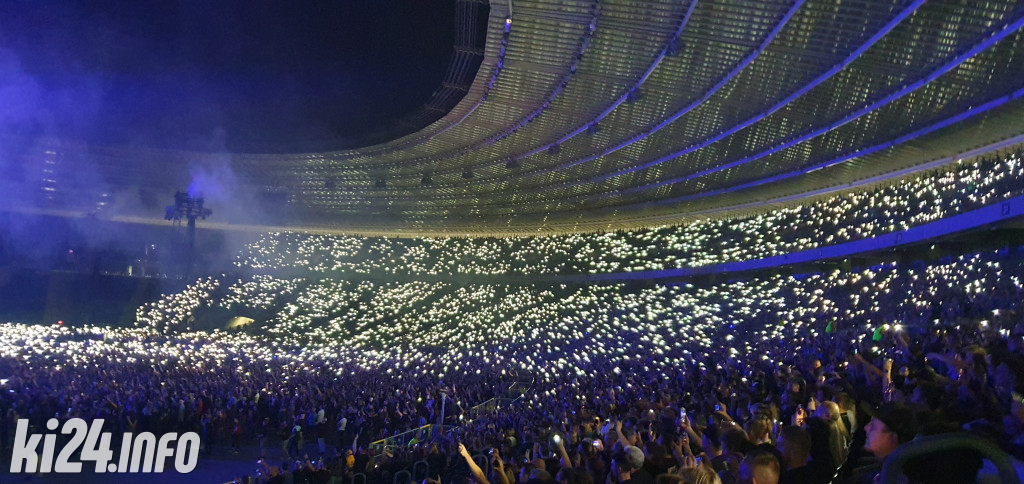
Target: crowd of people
<point x="839" y="218"/>
<point x="815" y="377"/>
<point x="699" y="383"/>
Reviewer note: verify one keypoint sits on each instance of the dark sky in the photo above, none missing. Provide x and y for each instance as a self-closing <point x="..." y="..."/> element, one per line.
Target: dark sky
<point x="213" y="75"/>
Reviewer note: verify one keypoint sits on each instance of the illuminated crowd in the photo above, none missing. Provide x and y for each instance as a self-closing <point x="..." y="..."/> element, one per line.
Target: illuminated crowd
<point x="701" y="381"/>
<point x="380" y="355"/>
<point x="836" y="219"/>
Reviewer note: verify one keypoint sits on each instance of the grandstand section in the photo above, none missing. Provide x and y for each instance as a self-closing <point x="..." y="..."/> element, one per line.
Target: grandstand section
<point x="891" y="208"/>
<point x="445" y="328"/>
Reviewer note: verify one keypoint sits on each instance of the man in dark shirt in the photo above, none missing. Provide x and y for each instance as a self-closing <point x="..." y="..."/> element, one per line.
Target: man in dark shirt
<point x="795" y="445"/>
<point x="273" y="473"/>
<point x="759" y="467"/>
<point x="891" y="425"/>
<point x="627" y="466"/>
<point x="362" y="460"/>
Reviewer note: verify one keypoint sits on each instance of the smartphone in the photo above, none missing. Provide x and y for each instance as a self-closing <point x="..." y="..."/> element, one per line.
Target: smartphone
<point x="597" y="443"/>
<point x="718" y="408"/>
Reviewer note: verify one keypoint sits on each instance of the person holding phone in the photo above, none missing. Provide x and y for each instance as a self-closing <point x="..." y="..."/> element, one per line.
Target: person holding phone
<point x="475" y="470"/>
<point x="498" y="473"/>
<point x="563" y="456"/>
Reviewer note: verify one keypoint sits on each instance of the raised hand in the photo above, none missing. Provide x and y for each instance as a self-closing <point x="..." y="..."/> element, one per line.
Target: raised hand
<point x="689" y="462"/>
<point x="799" y="416"/>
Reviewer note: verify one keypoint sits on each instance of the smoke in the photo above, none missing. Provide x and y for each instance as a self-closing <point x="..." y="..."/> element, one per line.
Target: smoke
<point x="59" y="197"/>
<point x="234" y="199"/>
<point x="20" y="94"/>
<point x="58" y="193"/>
<point x="215" y="180"/>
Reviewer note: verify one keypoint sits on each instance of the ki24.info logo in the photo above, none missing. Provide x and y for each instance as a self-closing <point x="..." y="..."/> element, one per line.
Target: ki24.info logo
<point x="139" y="453"/>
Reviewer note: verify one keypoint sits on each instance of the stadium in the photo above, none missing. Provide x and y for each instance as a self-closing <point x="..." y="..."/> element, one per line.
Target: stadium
<point x="524" y="241"/>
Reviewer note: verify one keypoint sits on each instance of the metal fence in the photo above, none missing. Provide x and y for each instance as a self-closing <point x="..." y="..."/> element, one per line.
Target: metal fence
<point x="426" y="433"/>
<point x="492" y="405"/>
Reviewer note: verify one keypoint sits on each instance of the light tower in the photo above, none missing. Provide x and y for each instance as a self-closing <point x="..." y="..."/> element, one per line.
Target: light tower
<point x="188" y="208"/>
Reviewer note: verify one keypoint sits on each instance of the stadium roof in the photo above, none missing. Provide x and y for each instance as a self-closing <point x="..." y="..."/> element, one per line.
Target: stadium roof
<point x="586" y="116"/>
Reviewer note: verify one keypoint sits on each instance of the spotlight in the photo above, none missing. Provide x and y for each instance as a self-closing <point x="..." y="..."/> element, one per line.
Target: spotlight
<point x="186" y="207"/>
<point x="512" y="164"/>
<point x="554" y="149"/>
<point x="426" y="181"/>
<point x="380" y="183"/>
<point x="467" y="174"/>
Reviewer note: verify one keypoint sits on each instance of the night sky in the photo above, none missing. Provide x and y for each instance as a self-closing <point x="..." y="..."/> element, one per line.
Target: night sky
<point x="236" y="76"/>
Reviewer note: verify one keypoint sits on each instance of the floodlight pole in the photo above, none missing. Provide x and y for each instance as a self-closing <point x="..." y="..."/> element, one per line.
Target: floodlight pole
<point x="191" y="232"/>
<point x="189" y="208"/>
